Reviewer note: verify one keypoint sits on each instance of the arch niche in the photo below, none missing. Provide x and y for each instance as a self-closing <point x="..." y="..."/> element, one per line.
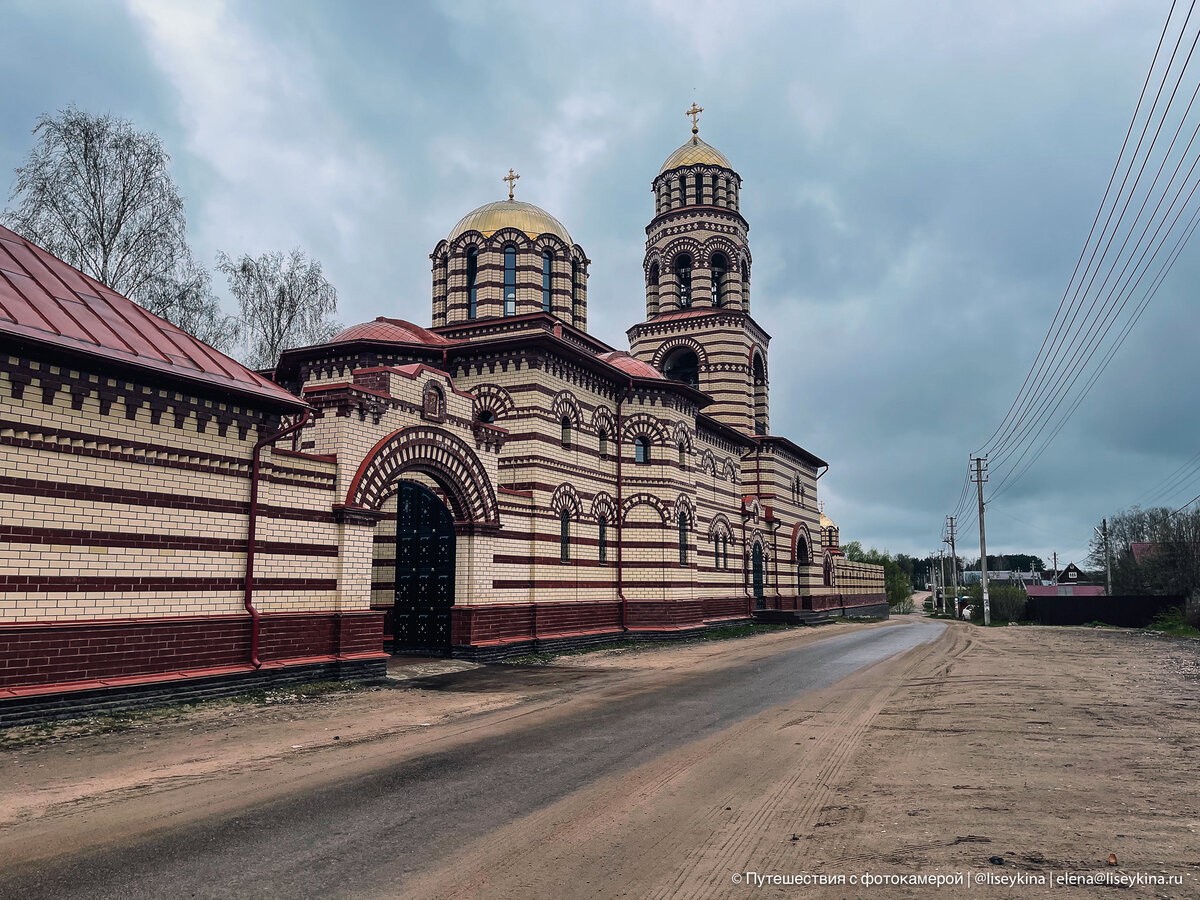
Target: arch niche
<point x="444" y="497"/>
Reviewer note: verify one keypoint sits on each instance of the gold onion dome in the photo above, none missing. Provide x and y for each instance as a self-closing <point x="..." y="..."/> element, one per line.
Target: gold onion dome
<point x="695" y="153"/>
<point x="526" y="217"/>
<point x="826" y="522"/>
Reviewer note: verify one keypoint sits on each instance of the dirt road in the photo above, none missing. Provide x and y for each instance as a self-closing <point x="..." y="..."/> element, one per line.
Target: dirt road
<point x="908" y="749"/>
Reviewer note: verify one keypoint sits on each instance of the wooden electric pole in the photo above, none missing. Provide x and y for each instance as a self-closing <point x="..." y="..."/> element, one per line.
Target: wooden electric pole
<point x="979" y="476"/>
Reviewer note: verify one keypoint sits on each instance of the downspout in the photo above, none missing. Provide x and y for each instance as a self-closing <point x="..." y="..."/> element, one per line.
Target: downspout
<point x="248" y="595"/>
<point x="620" y="518"/>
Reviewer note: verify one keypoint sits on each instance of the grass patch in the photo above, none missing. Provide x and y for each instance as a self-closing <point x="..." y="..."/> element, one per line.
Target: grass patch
<point x="720" y="633"/>
<point x="858" y="619"/>
<point x="1172" y="621"/>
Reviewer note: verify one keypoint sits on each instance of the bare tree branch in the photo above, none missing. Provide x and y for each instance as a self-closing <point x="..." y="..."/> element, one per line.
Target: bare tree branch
<point x="285" y="302"/>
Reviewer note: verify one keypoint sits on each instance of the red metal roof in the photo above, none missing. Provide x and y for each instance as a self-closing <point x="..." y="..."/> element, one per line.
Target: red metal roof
<point x="44" y="300"/>
<point x="632" y="366"/>
<point x="395" y="330"/>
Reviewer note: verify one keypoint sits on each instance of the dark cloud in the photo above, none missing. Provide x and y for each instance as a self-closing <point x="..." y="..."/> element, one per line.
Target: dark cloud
<point x="919" y="179"/>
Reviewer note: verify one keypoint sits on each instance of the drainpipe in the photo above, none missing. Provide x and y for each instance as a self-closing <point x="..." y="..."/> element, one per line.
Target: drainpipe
<point x="248" y="596"/>
<point x="620" y="518"/>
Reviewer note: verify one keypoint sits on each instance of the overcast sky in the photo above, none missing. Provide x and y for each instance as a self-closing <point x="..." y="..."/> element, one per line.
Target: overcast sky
<point x="919" y="179"/>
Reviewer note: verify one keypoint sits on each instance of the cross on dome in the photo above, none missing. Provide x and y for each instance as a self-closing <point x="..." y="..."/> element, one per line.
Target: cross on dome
<point x="694" y="112"/>
<point x="511" y="178"/>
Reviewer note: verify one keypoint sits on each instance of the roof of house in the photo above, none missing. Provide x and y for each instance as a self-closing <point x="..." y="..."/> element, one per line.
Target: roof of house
<point x="45" y="301"/>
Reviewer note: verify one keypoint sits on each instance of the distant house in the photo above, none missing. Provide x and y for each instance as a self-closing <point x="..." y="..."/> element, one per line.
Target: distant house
<point x="1072" y="574"/>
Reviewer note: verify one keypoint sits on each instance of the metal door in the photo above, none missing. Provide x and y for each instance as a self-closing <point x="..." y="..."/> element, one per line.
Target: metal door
<point x="424" y="570"/>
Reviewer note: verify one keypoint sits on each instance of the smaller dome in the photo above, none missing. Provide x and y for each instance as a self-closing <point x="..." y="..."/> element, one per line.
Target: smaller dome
<point x="390" y="330"/>
<point x="526" y="217"/>
<point x="826" y="522"/>
<point x="631" y="365"/>
<point x="695" y="153"/>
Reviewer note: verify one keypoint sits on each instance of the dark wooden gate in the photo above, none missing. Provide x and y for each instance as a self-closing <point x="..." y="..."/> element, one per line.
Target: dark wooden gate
<point x="424" y="570"/>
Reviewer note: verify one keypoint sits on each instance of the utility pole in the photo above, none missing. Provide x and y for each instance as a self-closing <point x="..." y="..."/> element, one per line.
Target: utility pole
<point x="942" y="568"/>
<point x="952" y="527"/>
<point x="979" y="477"/>
<point x="1107" y="563"/>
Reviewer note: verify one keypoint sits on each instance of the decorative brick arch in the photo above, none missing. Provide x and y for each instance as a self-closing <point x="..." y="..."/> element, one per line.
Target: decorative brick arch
<point x="683" y="436"/>
<point x="731" y="471"/>
<point x="719" y="244"/>
<point x="720" y="527"/>
<point x="674" y="344"/>
<point x="432" y="451"/>
<point x="565" y="406"/>
<point x="602" y="420"/>
<point x="802" y="546"/>
<point x="644" y="500"/>
<point x="644" y="425"/>
<point x="684" y="504"/>
<point x="756" y="538"/>
<point x="494" y="399"/>
<point x="565" y="499"/>
<point x="708" y="462"/>
<point x="507" y="236"/>
<point x="603" y="508"/>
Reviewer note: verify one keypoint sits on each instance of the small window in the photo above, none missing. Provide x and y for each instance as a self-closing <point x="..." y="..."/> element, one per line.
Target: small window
<point x="566" y="432"/>
<point x="472" y="279"/>
<point x="717" y="552"/>
<point x="682" y="455"/>
<point x="683" y="538"/>
<point x="510" y="281"/>
<point x="603" y="444"/>
<point x="564" y="536"/>
<point x="641" y="450"/>
<point x="486" y="416"/>
<point x="603" y="541"/>
<point x="547" y="260"/>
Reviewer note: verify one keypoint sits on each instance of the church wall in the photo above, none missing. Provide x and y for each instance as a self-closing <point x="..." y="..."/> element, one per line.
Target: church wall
<point x="123" y="532"/>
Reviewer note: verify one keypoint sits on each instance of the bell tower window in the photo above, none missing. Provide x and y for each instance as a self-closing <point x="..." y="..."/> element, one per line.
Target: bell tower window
<point x="683" y="365"/>
<point x="510" y="281"/>
<point x="472" y="278"/>
<point x="720" y="278"/>
<point x="683" y="279"/>
<point x="641" y="450"/>
<point x="547" y="259"/>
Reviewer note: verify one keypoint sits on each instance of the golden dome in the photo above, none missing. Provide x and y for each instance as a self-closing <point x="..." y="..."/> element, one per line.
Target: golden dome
<point x="695" y="153"/>
<point x="526" y="217"/>
<point x="826" y="522"/>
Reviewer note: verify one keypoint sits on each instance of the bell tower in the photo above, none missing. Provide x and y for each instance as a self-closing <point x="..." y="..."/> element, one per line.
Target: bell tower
<point x="698" y="327"/>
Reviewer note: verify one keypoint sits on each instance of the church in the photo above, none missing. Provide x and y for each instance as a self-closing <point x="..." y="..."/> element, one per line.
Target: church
<point x="497" y="483"/>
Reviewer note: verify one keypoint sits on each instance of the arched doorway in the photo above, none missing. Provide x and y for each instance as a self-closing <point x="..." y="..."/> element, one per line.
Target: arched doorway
<point x="756" y="558"/>
<point x="425" y="547"/>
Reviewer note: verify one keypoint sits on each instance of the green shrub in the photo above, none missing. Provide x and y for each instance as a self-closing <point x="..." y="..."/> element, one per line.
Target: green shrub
<point x="1008" y="602"/>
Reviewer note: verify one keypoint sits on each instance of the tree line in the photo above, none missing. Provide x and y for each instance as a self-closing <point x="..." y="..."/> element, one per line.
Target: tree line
<point x="97" y="193"/>
<point x="1152" y="551"/>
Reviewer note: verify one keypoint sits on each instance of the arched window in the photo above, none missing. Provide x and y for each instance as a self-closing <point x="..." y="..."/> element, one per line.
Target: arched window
<point x="566" y="432"/>
<point x="683" y="538"/>
<point x="683" y="365"/>
<point x="510" y="281"/>
<point x="603" y="541"/>
<point x="603" y="444"/>
<point x="720" y="278"/>
<point x="760" y="395"/>
<point x="574" y="291"/>
<point x="745" y="284"/>
<point x="683" y="279"/>
<point x="547" y="259"/>
<point x="652" y="290"/>
<point x="564" y="536"/>
<point x="641" y="449"/>
<point x="682" y="455"/>
<point x="828" y="572"/>
<point x="756" y="576"/>
<point x="472" y="278"/>
<point x="486" y="416"/>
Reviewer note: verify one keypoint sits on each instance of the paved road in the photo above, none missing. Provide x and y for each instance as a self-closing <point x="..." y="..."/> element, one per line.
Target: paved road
<point x="367" y="834"/>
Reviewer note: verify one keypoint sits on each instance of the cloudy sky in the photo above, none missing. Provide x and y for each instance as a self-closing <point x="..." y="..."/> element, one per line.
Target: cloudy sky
<point x="919" y="178"/>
